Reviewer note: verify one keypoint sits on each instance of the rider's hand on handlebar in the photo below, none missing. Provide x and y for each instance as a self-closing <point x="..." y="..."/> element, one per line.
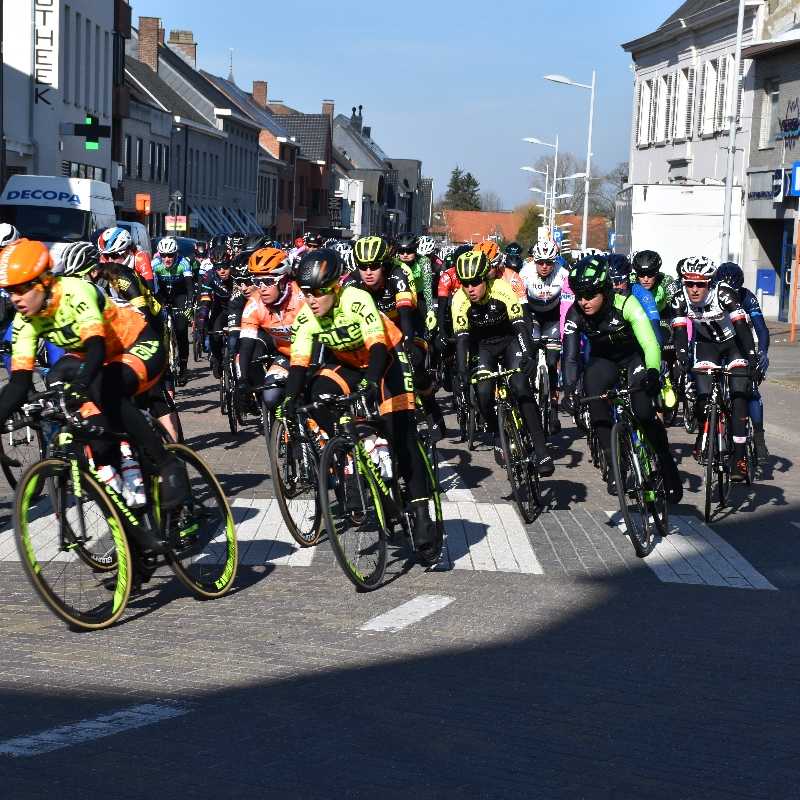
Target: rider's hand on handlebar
<point x="75" y="395"/>
<point x="652" y="383"/>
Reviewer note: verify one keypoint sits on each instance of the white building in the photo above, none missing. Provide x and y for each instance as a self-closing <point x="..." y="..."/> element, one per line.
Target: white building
<point x="684" y="94"/>
<point x="355" y="215"/>
<point x="58" y="69"/>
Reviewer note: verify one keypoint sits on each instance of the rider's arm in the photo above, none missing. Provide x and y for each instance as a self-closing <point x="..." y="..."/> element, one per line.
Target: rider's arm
<point x="729" y="303"/>
<point x="426" y="271"/>
<point x="143" y="266"/>
<point x="679" y="312"/>
<point x="570" y="348"/>
<point x="648" y="303"/>
<point x="188" y="279"/>
<point x="753" y="309"/>
<point x="461" y="330"/>
<point x="636" y="317"/>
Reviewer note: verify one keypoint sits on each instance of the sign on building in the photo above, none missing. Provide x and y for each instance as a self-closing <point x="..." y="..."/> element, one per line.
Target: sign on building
<point x="175" y="223"/>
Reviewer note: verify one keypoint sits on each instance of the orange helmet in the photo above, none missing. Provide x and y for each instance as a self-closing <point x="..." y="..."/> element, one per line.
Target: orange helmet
<point x="23" y="261"/>
<point x="269" y="261"/>
<point x="489" y="247"/>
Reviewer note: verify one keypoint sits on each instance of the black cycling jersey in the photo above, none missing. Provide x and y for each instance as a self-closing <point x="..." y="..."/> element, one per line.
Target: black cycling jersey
<point x="396" y="298"/>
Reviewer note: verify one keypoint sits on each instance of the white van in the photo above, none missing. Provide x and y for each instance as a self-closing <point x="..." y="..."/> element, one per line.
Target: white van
<point x="139" y="235"/>
<point x="57" y="210"/>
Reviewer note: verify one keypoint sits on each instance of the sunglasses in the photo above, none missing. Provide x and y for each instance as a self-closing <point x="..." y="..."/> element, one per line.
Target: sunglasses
<point x="322" y="292"/>
<point x="619" y="281"/>
<point x="23" y="288"/>
<point x="406" y="252"/>
<point x="545" y="263"/>
<point x="370" y="267"/>
<point x="696" y="284"/>
<point x="473" y="282"/>
<point x="588" y="294"/>
<point x="266" y="281"/>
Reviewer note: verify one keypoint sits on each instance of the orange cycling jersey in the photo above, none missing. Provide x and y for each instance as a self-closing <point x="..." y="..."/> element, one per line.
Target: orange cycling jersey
<point x="517" y="284"/>
<point x="142" y="265"/>
<point x="276" y="320"/>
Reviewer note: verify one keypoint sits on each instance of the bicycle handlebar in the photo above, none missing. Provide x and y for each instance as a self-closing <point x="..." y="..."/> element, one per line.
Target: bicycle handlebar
<point x="334" y="399"/>
<point x="487" y="376"/>
<point x="611" y="394"/>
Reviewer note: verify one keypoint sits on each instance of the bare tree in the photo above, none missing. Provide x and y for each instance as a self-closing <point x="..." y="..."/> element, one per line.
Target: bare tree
<point x="491" y="201"/>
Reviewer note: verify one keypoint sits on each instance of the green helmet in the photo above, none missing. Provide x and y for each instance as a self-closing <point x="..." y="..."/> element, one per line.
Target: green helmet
<point x="370" y="250"/>
<point x="590" y="274"/>
<point x="471" y="266"/>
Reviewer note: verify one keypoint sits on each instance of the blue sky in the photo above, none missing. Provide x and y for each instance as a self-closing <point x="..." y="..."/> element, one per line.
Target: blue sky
<point x="446" y="82"/>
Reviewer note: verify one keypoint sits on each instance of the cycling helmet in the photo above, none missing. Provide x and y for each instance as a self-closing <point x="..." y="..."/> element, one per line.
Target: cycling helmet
<point x="699" y="268"/>
<point x="545" y="250"/>
<point x="730" y="273"/>
<point x="240" y="273"/>
<point x="217" y="241"/>
<point x="318" y="269"/>
<point x="426" y="246"/>
<point x="619" y="268"/>
<point x="269" y="261"/>
<point x="234" y="242"/>
<point x="168" y="246"/>
<point x="490" y="249"/>
<point x="23" y="261"/>
<point x="370" y="250"/>
<point x="514" y="261"/>
<point x="406" y="243"/>
<point x="219" y="255"/>
<point x="8" y="234"/>
<point x="589" y="275"/>
<point x="679" y="267"/>
<point x="200" y="249"/>
<point x="646" y="263"/>
<point x="472" y="266"/>
<point x="116" y="242"/>
<point x="313" y="240"/>
<point x="78" y="259"/>
<point x="513" y="249"/>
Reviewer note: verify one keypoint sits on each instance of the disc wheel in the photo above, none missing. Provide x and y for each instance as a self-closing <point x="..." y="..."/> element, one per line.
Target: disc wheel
<point x="518" y="468"/>
<point x="353" y="514"/>
<point x="73" y="550"/>
<point x="630" y="493"/>
<point x="201" y="533"/>
<point x="293" y="466"/>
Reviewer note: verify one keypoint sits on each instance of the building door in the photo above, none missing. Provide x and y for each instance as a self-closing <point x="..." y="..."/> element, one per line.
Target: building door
<point x="787" y="265"/>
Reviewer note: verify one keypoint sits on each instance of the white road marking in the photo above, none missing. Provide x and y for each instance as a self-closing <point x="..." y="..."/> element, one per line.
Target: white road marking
<point x="96" y="728"/>
<point x="453" y="484"/>
<point x="695" y="554"/>
<point x="408" y="613"/>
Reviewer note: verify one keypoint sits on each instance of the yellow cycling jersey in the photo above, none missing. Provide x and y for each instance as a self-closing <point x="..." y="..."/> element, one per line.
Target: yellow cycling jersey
<point x="492" y="316"/>
<point x="348" y="331"/>
<point x="75" y="313"/>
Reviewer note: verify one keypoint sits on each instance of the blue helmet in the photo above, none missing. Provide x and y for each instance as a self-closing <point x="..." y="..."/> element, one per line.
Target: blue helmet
<point x="619" y="268"/>
<point x="730" y="273"/>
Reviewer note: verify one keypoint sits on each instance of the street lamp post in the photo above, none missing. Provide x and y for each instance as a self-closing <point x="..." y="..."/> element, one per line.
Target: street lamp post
<point x="587" y="178"/>
<point x="534" y="140"/>
<point x="546" y="173"/>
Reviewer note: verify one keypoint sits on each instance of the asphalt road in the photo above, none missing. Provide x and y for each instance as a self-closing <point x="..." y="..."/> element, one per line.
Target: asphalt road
<point x="539" y="661"/>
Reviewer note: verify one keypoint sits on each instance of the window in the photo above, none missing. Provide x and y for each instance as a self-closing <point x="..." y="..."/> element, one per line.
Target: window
<point x="722" y="106"/>
<point x="684" y="103"/>
<point x="281" y="184"/>
<point x="663" y="101"/>
<point x="66" y="51"/>
<point x="100" y="68"/>
<point x="87" y="45"/>
<point x="301" y="190"/>
<point x="152" y="155"/>
<point x="107" y="72"/>
<point x="78" y="50"/>
<point x="769" y="112"/>
<point x="127" y="156"/>
<point x="315" y="200"/>
<point x="643" y="118"/>
<point x="139" y="158"/>
<point x="708" y="98"/>
<point x="166" y="163"/>
<point x="290" y="195"/>
<point x="190" y="170"/>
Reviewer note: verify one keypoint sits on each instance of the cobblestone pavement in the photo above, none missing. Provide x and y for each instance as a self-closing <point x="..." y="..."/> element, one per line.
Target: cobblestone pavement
<point x="538" y="661"/>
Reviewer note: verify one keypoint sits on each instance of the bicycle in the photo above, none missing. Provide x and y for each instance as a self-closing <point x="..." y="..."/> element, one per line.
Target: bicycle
<point x="362" y="502"/>
<point x="518" y="451"/>
<point x="84" y="549"/>
<point x="637" y="473"/>
<point x="541" y="384"/>
<point x="171" y="341"/>
<point x="717" y="442"/>
<point x="230" y="402"/>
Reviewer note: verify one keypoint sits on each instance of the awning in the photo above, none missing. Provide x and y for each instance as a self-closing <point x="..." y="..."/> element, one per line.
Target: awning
<point x="222" y="226"/>
<point x="253" y="222"/>
<point x="244" y="223"/>
<point x="205" y="221"/>
<point x="768" y="46"/>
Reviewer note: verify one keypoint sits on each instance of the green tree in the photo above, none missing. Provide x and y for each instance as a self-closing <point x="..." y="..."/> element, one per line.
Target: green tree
<point x="463" y="191"/>
<point x="528" y="233"/>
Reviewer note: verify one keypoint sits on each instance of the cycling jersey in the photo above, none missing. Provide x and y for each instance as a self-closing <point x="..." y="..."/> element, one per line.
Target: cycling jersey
<point x="396" y="293"/>
<point x="215" y="291"/>
<point x="173" y="281"/>
<point x="449" y="283"/>
<point x="124" y="284"/>
<point x="664" y="289"/>
<point x="645" y="297"/>
<point x="619" y="330"/>
<point x="493" y="317"/>
<point x="143" y="265"/>
<point x="422" y="275"/>
<point x="76" y="312"/>
<point x="348" y="331"/>
<point x="544" y="294"/>
<point x="749" y="303"/>
<point x="276" y="320"/>
<point x="713" y="320"/>
<point x="514" y="280"/>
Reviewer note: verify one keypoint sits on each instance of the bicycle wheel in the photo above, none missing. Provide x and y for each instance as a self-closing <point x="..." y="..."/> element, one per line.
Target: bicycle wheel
<point x="172" y="354"/>
<point x="353" y="514"/>
<point x="630" y="494"/>
<point x="712" y="456"/>
<point x="231" y="401"/>
<point x="201" y="533"/>
<point x="726" y="454"/>
<point x="656" y="490"/>
<point x="472" y="422"/>
<point x="543" y="398"/>
<point x="293" y="466"/>
<point x="19" y="448"/>
<point x="517" y="458"/>
<point x="197" y="347"/>
<point x="63" y="540"/>
<point x="751" y="455"/>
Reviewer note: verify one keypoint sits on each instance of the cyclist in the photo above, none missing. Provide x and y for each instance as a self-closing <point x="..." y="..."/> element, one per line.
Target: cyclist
<point x="118" y="242"/>
<point x="395" y="297"/>
<point x="646" y="266"/>
<point x="721" y="335"/>
<point x="421" y="272"/>
<point x="175" y="291"/>
<point x="513" y="249"/>
<point x="488" y="322"/>
<point x="619" y="271"/>
<point x="733" y="275"/>
<point x="112" y="355"/>
<point x="620" y="337"/>
<point x="447" y="286"/>
<point x="543" y="281"/>
<point x="362" y="351"/>
<point x="270" y="312"/>
<point x="499" y="269"/>
<point x="513" y="262"/>
<point x="212" y="309"/>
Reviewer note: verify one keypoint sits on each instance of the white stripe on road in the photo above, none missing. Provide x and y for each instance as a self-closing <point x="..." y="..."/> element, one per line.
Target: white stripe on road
<point x="407" y="614"/>
<point x="263" y="536"/>
<point x="452" y="484"/>
<point x="695" y="554"/>
<point x="97" y="728"/>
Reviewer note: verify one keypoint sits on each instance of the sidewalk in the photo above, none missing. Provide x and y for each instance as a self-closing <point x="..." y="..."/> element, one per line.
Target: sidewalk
<point x="784" y="357"/>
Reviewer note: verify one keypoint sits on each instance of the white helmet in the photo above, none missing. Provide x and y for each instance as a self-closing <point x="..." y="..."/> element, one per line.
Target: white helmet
<point x="426" y="246"/>
<point x="699" y="268"/>
<point x="545" y="250"/>
<point x="114" y="241"/>
<point x="168" y="246"/>
<point x="78" y="259"/>
<point x="8" y="234"/>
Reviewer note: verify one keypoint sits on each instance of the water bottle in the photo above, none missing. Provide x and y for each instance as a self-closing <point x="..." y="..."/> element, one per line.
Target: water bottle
<point x="382" y="457"/>
<point x="132" y="482"/>
<point x="108" y="475"/>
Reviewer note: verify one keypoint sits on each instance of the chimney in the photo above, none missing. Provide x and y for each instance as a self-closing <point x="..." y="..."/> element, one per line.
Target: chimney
<point x="327" y="108"/>
<point x="260" y="95"/>
<point x="367" y="132"/>
<point x="150" y="34"/>
<point x="183" y="42"/>
<point x="356" y="119"/>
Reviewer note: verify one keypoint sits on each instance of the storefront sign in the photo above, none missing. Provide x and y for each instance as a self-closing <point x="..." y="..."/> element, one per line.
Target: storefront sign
<point x="790" y="124"/>
<point x="45" y="51"/>
<point x="793" y="184"/>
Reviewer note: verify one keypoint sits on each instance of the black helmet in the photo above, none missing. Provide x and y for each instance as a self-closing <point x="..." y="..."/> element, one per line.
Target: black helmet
<point x="513" y="249"/>
<point x="318" y="269"/>
<point x="219" y="255"/>
<point x="235" y="242"/>
<point x="217" y="241"/>
<point x="514" y="261"/>
<point x="646" y="263"/>
<point x="240" y="272"/>
<point x="619" y="268"/>
<point x="200" y="248"/>
<point x="731" y="273"/>
<point x="406" y="243"/>
<point x="590" y="275"/>
<point x="314" y="239"/>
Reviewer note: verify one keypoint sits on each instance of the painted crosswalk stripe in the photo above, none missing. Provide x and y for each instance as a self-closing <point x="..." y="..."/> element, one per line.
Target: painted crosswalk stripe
<point x="408" y="613"/>
<point x="263" y="536"/>
<point x="96" y="728"/>
<point x="693" y="553"/>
